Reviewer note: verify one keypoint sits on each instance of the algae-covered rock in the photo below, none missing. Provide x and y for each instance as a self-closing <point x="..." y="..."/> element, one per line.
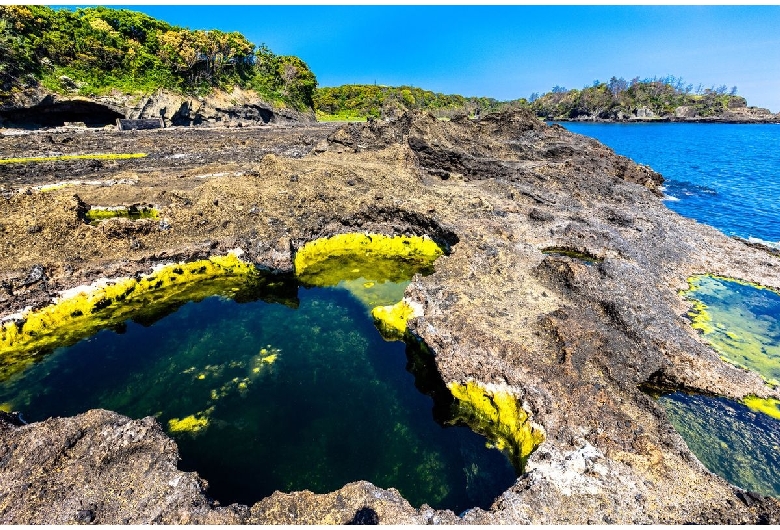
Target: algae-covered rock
<point x="84" y="311"/>
<point x="328" y="261"/>
<point x="497" y="413"/>
<point x="391" y="320"/>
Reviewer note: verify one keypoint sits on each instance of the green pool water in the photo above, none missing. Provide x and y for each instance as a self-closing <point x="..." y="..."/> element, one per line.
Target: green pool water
<point x="742" y="323"/>
<point x="285" y="389"/>
<point x="732" y="441"/>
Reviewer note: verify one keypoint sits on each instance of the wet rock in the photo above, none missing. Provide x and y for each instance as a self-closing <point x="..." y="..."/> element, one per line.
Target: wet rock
<point x="540" y="215"/>
<point x="159" y="492"/>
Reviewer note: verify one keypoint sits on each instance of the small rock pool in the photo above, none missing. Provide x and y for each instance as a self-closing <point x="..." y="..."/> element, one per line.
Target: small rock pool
<point x="731" y="440"/>
<point x="737" y="441"/>
<point x="275" y="385"/>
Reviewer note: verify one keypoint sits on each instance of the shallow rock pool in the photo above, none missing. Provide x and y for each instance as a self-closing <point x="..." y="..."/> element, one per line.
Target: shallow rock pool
<point x="738" y="441"/>
<point x="278" y="387"/>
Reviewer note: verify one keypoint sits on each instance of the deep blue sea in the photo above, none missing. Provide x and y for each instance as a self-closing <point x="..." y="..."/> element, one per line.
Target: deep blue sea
<point x="724" y="175"/>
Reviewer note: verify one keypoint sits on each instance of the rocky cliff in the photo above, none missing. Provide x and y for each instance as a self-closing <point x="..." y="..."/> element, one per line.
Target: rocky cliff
<point x="35" y="108"/>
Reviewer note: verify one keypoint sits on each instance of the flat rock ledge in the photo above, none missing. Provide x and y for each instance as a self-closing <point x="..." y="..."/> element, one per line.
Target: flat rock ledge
<point x="575" y="340"/>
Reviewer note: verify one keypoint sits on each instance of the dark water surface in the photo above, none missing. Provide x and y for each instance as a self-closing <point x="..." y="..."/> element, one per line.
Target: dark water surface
<point x="279" y="398"/>
<point x="724" y="175"/>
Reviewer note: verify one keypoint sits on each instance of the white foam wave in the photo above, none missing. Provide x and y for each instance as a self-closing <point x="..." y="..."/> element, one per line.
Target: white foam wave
<point x="771" y="244"/>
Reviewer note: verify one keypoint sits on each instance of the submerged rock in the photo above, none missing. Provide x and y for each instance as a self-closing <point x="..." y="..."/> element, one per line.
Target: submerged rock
<point x="571" y="339"/>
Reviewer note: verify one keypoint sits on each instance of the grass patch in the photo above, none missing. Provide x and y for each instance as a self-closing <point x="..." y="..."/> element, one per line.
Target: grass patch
<point x="340" y="117"/>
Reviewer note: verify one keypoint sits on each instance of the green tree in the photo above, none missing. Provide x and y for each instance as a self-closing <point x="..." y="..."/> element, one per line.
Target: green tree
<point x="102" y="49"/>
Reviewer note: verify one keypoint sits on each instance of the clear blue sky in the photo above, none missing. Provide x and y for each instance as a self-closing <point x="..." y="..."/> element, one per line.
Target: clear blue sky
<point x="507" y="52"/>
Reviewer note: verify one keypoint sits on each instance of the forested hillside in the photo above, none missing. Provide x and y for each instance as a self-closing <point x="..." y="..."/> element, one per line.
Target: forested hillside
<point x="618" y="99"/>
<point x="361" y="101"/>
<point x="646" y="98"/>
<point x="94" y="50"/>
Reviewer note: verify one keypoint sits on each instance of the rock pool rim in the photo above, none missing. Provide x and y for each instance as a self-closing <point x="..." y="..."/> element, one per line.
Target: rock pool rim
<point x="568" y="252"/>
<point x="517" y="449"/>
<point x="97" y="214"/>
<point x="767" y="406"/>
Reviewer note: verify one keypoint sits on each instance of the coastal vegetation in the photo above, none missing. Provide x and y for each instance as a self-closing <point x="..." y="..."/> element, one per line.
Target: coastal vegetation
<point x="93" y="51"/>
<point x="614" y="100"/>
<point x="359" y="102"/>
<point x="647" y="98"/>
<point x="98" y="50"/>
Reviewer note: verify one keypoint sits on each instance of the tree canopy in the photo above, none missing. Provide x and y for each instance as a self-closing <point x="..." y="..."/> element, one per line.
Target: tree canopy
<point x="662" y="96"/>
<point x="362" y="101"/>
<point x="98" y="49"/>
<point x="605" y="100"/>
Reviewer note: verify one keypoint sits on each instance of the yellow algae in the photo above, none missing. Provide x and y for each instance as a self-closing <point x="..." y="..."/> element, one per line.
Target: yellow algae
<point x="260" y="363"/>
<point x="740" y="320"/>
<point x="413" y="248"/>
<point x="190" y="424"/>
<point x="82" y="312"/>
<point x="769" y="406"/>
<point x="96" y="214"/>
<point x="391" y="319"/>
<point x="98" y="156"/>
<point x="496" y="413"/>
<point x="374" y="268"/>
<point x="52" y="187"/>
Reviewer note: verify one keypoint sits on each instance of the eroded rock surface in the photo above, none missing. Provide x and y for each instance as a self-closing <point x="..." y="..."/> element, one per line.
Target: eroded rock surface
<point x="575" y="339"/>
<point x="37" y="107"/>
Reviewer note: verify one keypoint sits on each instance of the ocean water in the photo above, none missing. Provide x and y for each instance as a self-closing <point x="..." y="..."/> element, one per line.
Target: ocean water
<point x="260" y="396"/>
<point x="723" y="175"/>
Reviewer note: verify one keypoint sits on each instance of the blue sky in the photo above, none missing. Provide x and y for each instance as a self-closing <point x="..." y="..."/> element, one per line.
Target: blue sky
<point x="508" y="52"/>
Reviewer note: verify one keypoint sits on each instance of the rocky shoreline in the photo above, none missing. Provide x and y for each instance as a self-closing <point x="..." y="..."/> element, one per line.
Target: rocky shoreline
<point x="742" y="114"/>
<point x="668" y="119"/>
<point x="575" y="340"/>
